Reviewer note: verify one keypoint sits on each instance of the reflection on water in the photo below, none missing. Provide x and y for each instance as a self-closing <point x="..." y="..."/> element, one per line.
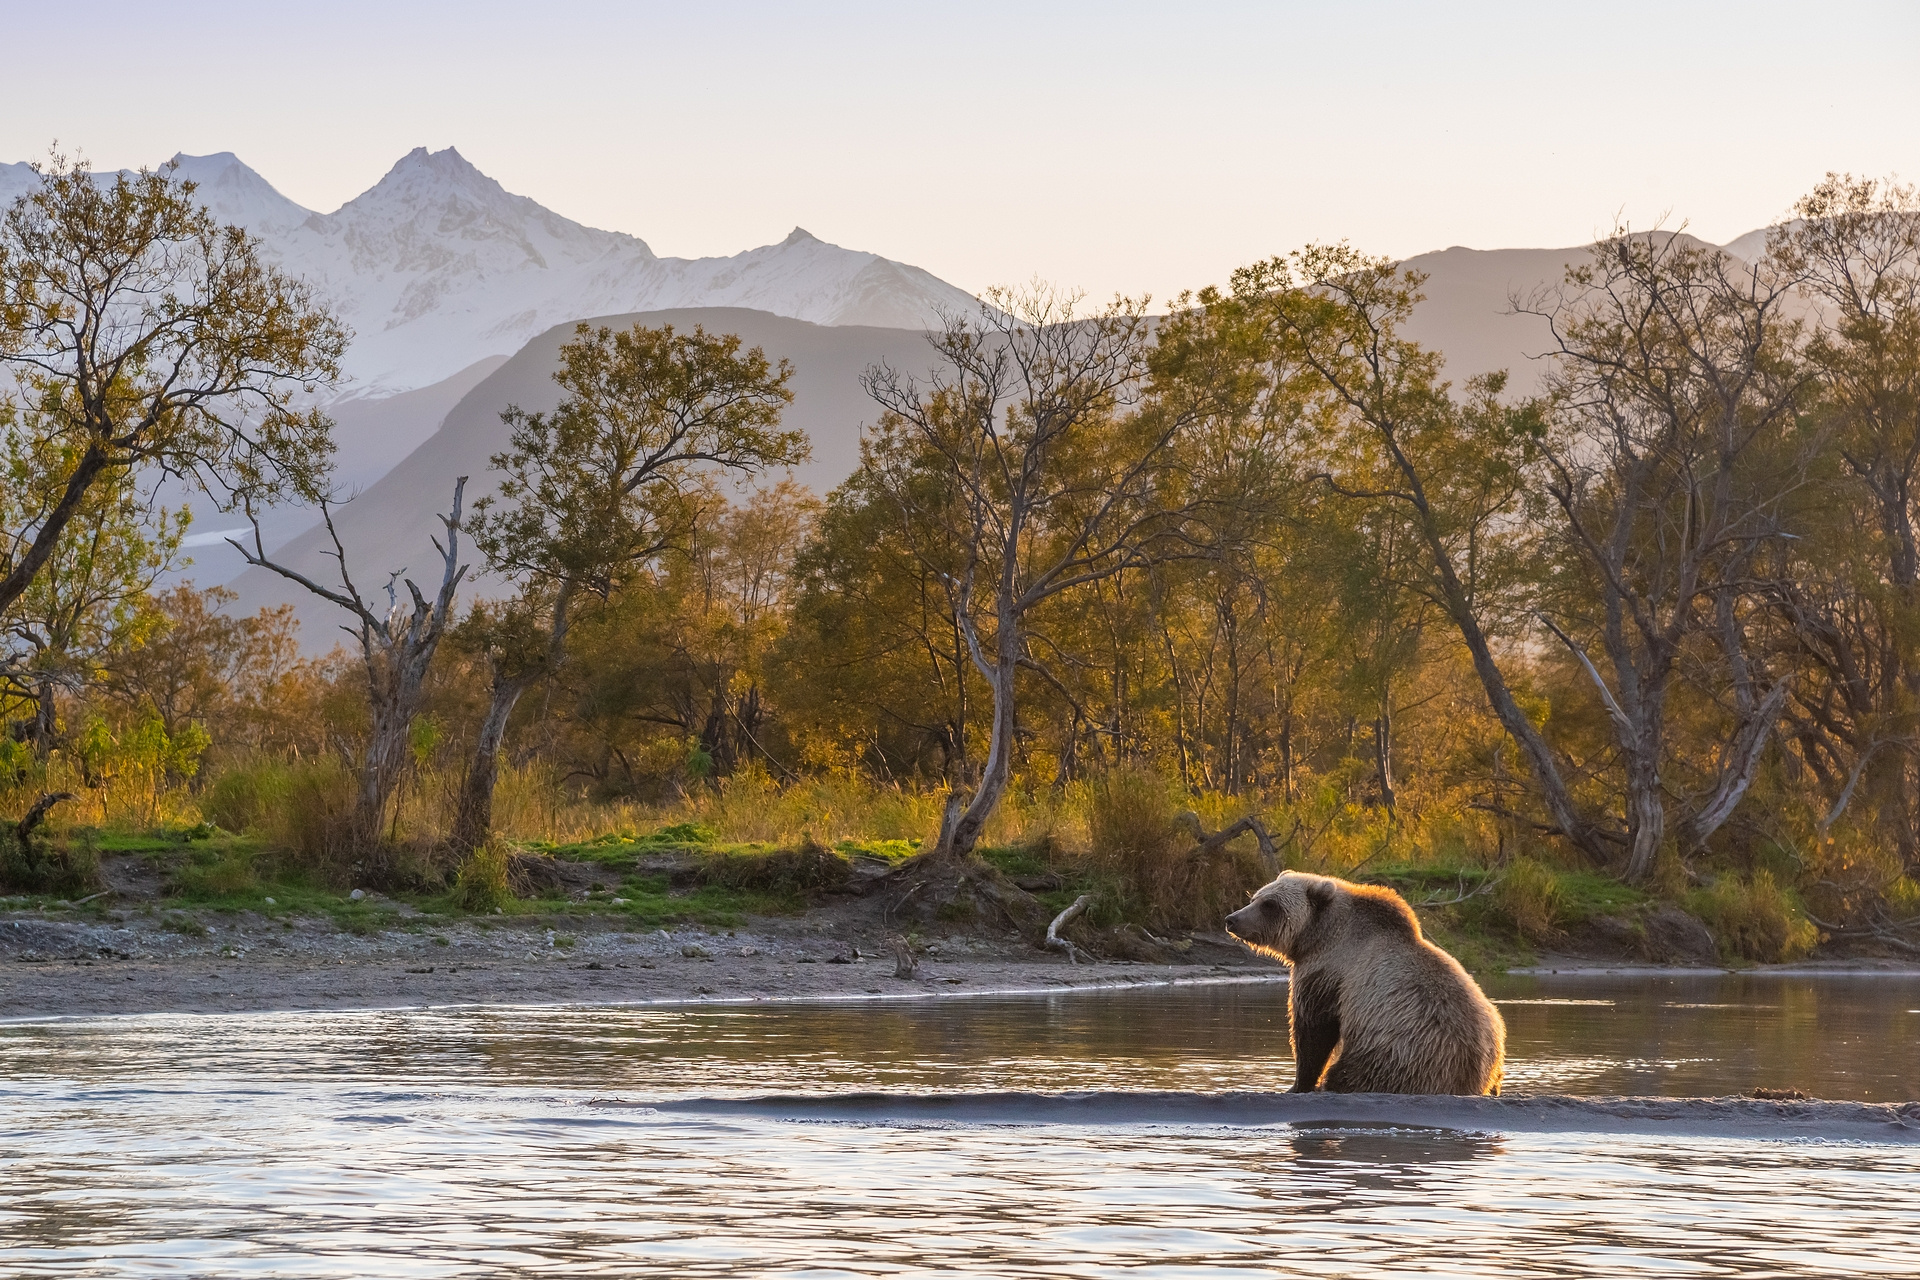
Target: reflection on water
<point x="459" y="1143"/>
<point x="1853" y="1037"/>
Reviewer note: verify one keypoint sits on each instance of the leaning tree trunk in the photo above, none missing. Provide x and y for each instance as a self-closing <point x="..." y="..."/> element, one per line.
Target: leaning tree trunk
<point x="958" y="838"/>
<point x="473" y="819"/>
<point x="23" y="830"/>
<point x="947" y="884"/>
<point x="45" y="722"/>
<point x="1646" y="815"/>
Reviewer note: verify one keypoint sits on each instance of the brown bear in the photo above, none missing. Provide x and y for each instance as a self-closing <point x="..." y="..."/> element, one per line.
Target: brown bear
<point x="1374" y="1006"/>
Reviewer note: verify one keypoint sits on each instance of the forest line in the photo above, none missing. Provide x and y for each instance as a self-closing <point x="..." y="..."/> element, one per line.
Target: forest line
<point x="1656" y="623"/>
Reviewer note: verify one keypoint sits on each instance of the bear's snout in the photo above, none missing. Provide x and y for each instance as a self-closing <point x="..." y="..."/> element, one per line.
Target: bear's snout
<point x="1241" y="923"/>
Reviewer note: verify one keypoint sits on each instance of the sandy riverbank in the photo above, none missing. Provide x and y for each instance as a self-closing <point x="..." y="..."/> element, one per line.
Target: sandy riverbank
<point x="54" y="964"/>
<point x="52" y="968"/>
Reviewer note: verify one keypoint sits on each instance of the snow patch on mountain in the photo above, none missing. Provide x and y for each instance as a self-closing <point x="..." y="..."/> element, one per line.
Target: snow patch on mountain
<point x="437" y="266"/>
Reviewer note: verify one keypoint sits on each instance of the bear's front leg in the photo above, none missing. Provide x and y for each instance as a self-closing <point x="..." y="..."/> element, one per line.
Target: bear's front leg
<point x="1313" y="1010"/>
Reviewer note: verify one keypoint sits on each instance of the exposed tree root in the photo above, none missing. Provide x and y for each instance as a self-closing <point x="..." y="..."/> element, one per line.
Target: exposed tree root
<point x="959" y="892"/>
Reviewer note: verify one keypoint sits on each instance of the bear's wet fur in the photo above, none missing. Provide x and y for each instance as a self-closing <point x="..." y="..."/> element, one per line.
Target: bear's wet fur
<point x="1374" y="1006"/>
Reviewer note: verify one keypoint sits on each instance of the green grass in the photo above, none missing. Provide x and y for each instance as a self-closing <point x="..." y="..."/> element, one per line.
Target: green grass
<point x="159" y="840"/>
<point x="623" y="852"/>
<point x="1018" y="859"/>
<point x="650" y="901"/>
<point x="1587" y="894"/>
<point x="887" y="850"/>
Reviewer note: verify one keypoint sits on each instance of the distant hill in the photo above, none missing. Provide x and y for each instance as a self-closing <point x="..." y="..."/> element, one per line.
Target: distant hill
<point x="437" y="266"/>
<point x="388" y="526"/>
<point x="1466" y="315"/>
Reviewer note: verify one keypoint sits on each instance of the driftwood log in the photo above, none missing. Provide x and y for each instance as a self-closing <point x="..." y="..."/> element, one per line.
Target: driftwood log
<point x="1054" y="940"/>
<point x="1884" y="931"/>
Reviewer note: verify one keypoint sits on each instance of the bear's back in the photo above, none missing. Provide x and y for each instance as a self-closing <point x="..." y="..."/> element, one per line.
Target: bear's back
<point x="1412" y="1019"/>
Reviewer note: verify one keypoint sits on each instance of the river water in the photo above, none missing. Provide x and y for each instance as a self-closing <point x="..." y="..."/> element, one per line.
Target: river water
<point x="930" y="1138"/>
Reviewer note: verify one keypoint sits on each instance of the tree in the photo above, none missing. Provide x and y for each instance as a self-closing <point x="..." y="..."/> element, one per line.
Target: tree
<point x="1850" y="594"/>
<point x="195" y="663"/>
<point x="1461" y="471"/>
<point x="90" y="598"/>
<point x="874" y="665"/>
<point x="1020" y="456"/>
<point x="397" y="645"/>
<point x="1679" y="394"/>
<point x="601" y="486"/>
<point x="668" y="680"/>
<point x="144" y="337"/>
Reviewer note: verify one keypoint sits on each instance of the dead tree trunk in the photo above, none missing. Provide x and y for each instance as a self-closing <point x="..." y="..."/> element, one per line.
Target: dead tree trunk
<point x="1205" y="844"/>
<point x="23" y="830"/>
<point x="396" y="649"/>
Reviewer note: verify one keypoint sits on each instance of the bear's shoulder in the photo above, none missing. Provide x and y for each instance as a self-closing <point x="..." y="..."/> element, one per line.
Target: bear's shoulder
<point x="1380" y="910"/>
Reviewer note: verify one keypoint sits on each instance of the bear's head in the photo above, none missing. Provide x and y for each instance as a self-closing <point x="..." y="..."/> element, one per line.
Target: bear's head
<point x="1280" y="920"/>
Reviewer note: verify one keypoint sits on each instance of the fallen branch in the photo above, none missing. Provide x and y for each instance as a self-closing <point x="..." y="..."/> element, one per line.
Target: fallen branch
<point x="1879" y="933"/>
<point x="1058" y="943"/>
<point x="1462" y="893"/>
<point x="1206" y="844"/>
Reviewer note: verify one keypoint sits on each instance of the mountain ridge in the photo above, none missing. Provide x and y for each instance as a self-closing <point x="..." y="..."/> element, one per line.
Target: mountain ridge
<point x="438" y="265"/>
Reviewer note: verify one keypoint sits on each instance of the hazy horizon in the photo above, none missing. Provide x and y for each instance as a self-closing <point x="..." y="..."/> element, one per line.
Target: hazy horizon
<point x="1108" y="148"/>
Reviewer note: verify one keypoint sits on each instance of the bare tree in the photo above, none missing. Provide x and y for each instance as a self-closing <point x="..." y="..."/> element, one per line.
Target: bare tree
<point x="1679" y="391"/>
<point x="397" y="645"/>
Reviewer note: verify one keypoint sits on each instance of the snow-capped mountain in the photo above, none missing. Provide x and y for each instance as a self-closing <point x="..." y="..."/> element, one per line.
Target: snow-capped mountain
<point x="437" y="266"/>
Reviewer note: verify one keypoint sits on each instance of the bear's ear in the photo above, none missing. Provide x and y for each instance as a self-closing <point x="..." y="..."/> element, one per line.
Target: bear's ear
<point x="1319" y="895"/>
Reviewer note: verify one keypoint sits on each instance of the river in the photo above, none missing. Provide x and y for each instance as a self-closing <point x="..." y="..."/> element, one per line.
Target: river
<point x="902" y="1138"/>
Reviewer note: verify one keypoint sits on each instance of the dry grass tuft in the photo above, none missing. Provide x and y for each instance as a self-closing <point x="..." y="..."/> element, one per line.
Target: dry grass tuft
<point x="1754" y="919"/>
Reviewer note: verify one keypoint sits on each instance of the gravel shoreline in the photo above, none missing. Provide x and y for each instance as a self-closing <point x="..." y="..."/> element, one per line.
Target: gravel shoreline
<point x="132" y="964"/>
<point x="53" y="968"/>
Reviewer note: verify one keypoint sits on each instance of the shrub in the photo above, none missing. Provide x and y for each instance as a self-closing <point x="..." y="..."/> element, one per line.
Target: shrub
<point x="482" y="883"/>
<point x="1903" y="897"/>
<point x="683" y="833"/>
<point x="241" y="798"/>
<point x="1130" y="819"/>
<point x="301" y="808"/>
<point x="64" y="864"/>
<point x="1529" y="901"/>
<point x="1137" y="840"/>
<point x="207" y="874"/>
<point x="1754" y="919"/>
<point x="808" y="868"/>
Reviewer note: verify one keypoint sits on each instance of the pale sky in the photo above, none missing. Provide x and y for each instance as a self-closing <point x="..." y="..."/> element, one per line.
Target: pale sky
<point x="1112" y="147"/>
